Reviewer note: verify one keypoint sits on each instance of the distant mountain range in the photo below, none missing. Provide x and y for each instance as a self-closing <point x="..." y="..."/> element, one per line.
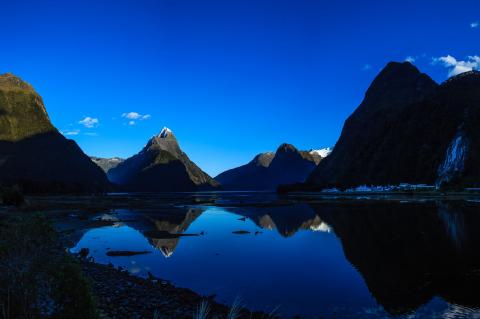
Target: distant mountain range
<point x="408" y="129"/>
<point x="33" y="154"/>
<point x="161" y="166"/>
<point x="107" y="164"/>
<point x="269" y="170"/>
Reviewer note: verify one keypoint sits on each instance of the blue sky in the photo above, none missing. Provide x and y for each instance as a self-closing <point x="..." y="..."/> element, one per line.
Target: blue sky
<point x="230" y="78"/>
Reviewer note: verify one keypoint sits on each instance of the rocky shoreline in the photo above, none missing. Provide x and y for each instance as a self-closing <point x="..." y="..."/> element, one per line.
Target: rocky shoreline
<point x="118" y="294"/>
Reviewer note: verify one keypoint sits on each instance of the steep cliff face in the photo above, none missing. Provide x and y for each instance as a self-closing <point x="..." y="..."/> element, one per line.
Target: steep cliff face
<point x="22" y="113"/>
<point x="408" y="130"/>
<point x="33" y="154"/>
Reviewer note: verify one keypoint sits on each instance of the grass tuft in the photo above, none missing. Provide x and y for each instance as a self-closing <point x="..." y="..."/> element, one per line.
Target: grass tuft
<point x="235" y="309"/>
<point x="203" y="310"/>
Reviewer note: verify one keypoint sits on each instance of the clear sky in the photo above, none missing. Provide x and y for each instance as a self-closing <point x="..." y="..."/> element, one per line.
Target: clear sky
<point x="230" y="78"/>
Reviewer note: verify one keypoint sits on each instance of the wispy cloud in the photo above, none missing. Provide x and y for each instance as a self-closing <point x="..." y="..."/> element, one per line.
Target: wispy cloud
<point x="135" y="116"/>
<point x="89" y="122"/>
<point x="70" y="132"/>
<point x="474" y="24"/>
<point x="411" y="59"/>
<point x="366" y="67"/>
<point x="91" y="133"/>
<point x="455" y="67"/>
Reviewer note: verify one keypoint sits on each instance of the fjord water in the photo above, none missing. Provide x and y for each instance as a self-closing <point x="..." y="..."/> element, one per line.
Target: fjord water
<point x="343" y="259"/>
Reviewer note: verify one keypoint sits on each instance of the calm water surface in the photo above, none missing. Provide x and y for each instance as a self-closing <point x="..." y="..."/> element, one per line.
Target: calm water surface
<point x="360" y="259"/>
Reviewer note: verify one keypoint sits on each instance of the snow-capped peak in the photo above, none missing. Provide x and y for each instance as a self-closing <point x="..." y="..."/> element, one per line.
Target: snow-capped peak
<point x="322" y="152"/>
<point x="165" y="132"/>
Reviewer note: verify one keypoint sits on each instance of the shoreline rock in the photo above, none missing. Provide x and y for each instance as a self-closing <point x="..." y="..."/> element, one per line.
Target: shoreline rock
<point x="119" y="294"/>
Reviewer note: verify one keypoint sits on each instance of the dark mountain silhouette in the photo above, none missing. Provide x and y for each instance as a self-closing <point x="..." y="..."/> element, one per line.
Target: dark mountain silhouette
<point x="161" y="166"/>
<point x="247" y="175"/>
<point x="269" y="170"/>
<point x="408" y="129"/>
<point x="106" y="164"/>
<point x="33" y="154"/>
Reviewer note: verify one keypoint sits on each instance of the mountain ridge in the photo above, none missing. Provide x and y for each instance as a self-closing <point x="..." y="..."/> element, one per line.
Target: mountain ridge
<point x="161" y="166"/>
<point x="411" y="135"/>
<point x="266" y="171"/>
<point x="33" y="154"/>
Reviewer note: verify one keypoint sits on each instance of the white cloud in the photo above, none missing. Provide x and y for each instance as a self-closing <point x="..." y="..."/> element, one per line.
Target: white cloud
<point x="474" y="24"/>
<point x="136" y="116"/>
<point x="133" y="116"/>
<point x="70" y="132"/>
<point x="458" y="66"/>
<point x="90" y="134"/>
<point x="410" y="59"/>
<point x="89" y="122"/>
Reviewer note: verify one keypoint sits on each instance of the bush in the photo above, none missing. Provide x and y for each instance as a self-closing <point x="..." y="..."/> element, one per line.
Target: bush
<point x="72" y="292"/>
<point x="37" y="278"/>
<point x="12" y="196"/>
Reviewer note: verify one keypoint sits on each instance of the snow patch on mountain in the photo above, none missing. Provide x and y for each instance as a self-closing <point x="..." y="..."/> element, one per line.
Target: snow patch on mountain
<point x="323" y="152"/>
<point x="322" y="227"/>
<point x="165" y="132"/>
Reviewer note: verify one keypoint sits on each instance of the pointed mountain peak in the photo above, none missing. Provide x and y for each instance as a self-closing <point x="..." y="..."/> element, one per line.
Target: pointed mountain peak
<point x="397" y="85"/>
<point x="165" y="132"/>
<point x="398" y="74"/>
<point x="394" y="66"/>
<point x="165" y="135"/>
<point x="285" y="147"/>
<point x="165" y="140"/>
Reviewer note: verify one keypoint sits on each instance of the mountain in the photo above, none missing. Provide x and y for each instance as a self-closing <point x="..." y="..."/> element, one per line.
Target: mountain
<point x="324" y="152"/>
<point x="106" y="164"/>
<point x="161" y="166"/>
<point x="269" y="170"/>
<point x="246" y="175"/>
<point x="33" y="154"/>
<point x="409" y="129"/>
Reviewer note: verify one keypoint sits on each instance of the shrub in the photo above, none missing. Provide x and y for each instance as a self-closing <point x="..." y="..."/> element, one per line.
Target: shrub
<point x="37" y="278"/>
<point x="12" y="196"/>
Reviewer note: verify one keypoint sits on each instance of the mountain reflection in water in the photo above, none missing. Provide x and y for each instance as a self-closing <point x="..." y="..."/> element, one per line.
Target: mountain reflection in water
<point x="415" y="259"/>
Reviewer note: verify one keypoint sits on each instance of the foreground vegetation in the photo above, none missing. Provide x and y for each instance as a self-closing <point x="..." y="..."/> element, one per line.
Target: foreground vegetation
<point x="37" y="277"/>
